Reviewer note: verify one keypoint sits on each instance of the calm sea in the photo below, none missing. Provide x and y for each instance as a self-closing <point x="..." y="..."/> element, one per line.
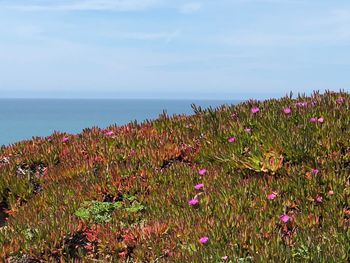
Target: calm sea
<point x="21" y="119"/>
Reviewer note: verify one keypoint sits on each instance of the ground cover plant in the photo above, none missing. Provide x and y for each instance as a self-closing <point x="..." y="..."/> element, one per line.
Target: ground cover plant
<point x="261" y="181"/>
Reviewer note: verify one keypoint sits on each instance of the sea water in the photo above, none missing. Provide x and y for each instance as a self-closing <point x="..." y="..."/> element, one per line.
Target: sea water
<point x="22" y="119"/>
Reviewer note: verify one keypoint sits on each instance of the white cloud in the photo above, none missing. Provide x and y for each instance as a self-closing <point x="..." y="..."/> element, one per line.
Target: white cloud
<point x="87" y="5"/>
<point x="190" y="8"/>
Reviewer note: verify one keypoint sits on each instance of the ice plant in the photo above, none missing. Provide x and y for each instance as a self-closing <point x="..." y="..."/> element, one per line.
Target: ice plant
<point x="321" y="120"/>
<point x="224" y="258"/>
<point x="232" y="139"/>
<point x="204" y="240"/>
<point x="319" y="199"/>
<point x="313" y="119"/>
<point x="255" y="110"/>
<point x="284" y="218"/>
<point x="193" y="202"/>
<point x="315" y="171"/>
<point x="65" y="139"/>
<point x="109" y="133"/>
<point x="248" y="130"/>
<point x="287" y="110"/>
<point x="301" y="104"/>
<point x="272" y="196"/>
<point x="199" y="186"/>
<point x="340" y="100"/>
<point x="202" y="171"/>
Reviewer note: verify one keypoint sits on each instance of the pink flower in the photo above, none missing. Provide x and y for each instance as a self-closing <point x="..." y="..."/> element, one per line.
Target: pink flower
<point x="193" y="202"/>
<point x="320" y="120"/>
<point x="331" y="192"/>
<point x="340" y="100"/>
<point x="202" y="171"/>
<point x="224" y="258"/>
<point x="109" y="133"/>
<point x="287" y="110"/>
<point x="301" y="104"/>
<point x="204" y="240"/>
<point x="232" y="139"/>
<point x="319" y="199"/>
<point x="255" y="110"/>
<point x="313" y="120"/>
<point x="284" y="218"/>
<point x="272" y="196"/>
<point x="315" y="171"/>
<point x="65" y="139"/>
<point x="248" y="130"/>
<point x="199" y="186"/>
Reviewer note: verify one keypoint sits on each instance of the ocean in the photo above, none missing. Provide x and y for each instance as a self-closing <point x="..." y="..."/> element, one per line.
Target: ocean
<point x="21" y="119"/>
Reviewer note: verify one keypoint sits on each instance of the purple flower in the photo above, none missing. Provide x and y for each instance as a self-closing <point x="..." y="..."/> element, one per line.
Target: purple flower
<point x="319" y="199"/>
<point x="301" y="104"/>
<point x="340" y="100"/>
<point x="255" y="110"/>
<point x="193" y="202"/>
<point x="232" y="139"/>
<point x="272" y="196"/>
<point x="248" y="130"/>
<point x="287" y="110"/>
<point x="65" y="139"/>
<point x="284" y="218"/>
<point x="202" y="171"/>
<point x="315" y="171"/>
<point x="320" y="120"/>
<point x="204" y="240"/>
<point x="313" y="120"/>
<point x="109" y="133"/>
<point x="199" y="186"/>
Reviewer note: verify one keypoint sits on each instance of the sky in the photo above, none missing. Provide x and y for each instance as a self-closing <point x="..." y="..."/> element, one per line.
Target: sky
<point x="205" y="49"/>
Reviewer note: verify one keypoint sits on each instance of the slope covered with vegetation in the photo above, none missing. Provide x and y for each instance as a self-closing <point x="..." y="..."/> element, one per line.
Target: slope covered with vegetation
<point x="262" y="181"/>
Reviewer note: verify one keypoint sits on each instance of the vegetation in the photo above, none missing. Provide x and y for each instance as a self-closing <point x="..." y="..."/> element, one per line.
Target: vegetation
<point x="262" y="181"/>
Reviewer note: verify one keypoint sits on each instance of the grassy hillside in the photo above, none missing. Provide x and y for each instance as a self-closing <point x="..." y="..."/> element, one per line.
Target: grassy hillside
<point x="262" y="181"/>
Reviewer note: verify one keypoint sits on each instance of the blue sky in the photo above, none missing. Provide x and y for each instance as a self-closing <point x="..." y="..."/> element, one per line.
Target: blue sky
<point x="172" y="48"/>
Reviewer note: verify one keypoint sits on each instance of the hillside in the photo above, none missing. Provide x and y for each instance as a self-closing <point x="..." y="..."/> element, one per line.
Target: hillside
<point x="262" y="181"/>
